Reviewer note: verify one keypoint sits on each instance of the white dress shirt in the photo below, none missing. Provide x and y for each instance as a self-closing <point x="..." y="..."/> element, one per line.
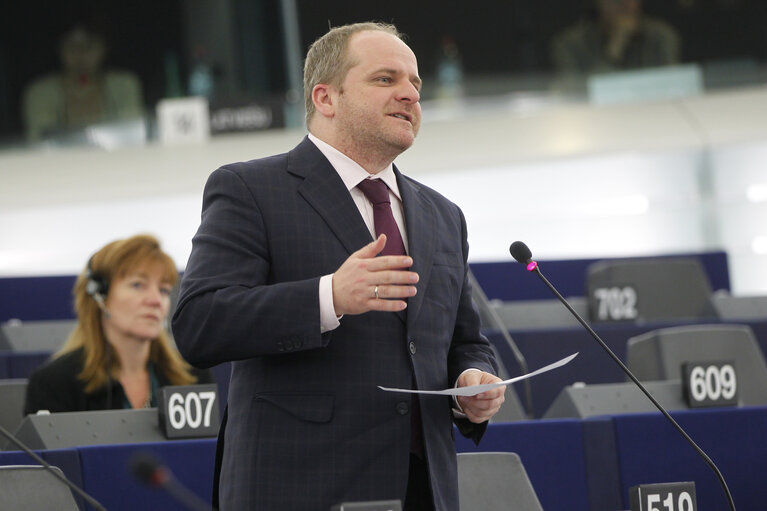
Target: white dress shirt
<point x="351" y="173"/>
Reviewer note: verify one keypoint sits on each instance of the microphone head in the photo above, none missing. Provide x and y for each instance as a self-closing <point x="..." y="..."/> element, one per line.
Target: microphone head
<point x="147" y="469"/>
<point x="520" y="252"/>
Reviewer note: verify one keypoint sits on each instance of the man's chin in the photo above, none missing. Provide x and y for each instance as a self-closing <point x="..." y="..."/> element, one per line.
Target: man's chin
<point x="403" y="142"/>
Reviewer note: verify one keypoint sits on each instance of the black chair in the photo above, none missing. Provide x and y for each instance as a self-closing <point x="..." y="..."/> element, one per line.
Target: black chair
<point x="32" y="488"/>
<point x="494" y="481"/>
<point x="659" y="355"/>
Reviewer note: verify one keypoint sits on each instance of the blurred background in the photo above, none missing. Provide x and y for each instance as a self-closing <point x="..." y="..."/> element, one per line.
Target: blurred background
<point x="588" y="129"/>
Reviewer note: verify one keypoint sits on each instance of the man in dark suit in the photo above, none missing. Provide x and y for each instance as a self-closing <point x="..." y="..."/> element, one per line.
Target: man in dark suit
<point x="285" y="281"/>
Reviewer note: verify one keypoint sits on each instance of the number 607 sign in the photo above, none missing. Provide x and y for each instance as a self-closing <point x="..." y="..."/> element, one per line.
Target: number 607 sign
<point x="189" y="411"/>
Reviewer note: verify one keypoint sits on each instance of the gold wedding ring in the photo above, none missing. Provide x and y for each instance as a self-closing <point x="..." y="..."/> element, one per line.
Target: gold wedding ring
<point x="375" y="292"/>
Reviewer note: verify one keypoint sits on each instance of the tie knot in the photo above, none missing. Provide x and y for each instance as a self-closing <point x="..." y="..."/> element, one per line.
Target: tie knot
<point x="375" y="190"/>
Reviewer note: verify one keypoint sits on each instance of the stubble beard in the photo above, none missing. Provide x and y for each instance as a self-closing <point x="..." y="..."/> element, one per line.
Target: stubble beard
<point x="372" y="140"/>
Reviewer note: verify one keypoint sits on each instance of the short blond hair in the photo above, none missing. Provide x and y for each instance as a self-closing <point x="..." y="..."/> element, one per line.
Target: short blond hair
<point x="327" y="59"/>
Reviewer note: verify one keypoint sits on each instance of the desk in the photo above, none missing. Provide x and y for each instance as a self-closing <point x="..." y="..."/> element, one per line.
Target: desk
<point x="105" y="473"/>
<point x="592" y="365"/>
<point x="573" y="464"/>
<point x="590" y="464"/>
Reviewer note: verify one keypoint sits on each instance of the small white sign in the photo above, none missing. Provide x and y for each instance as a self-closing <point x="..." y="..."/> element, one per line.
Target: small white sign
<point x="183" y="120"/>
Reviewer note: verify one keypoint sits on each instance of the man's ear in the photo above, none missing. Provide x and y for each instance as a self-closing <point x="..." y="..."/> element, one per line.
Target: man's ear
<point x="323" y="97"/>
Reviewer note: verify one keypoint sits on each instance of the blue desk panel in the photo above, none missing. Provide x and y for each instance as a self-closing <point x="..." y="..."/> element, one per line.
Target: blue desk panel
<point x="106" y="473"/>
<point x="21" y="364"/>
<point x="650" y="450"/>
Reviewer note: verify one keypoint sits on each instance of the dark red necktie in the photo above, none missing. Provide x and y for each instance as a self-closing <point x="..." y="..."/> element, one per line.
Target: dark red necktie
<point x="378" y="193"/>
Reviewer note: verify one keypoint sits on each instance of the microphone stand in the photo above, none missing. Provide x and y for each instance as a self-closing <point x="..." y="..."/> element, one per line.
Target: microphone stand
<point x="533" y="267"/>
<point x="93" y="502"/>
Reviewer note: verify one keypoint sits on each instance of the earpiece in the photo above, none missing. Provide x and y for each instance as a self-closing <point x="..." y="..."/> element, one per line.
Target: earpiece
<point x="96" y="286"/>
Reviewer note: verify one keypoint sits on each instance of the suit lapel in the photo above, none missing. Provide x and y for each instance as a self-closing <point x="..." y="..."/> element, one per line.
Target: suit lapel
<point x="421" y="235"/>
<point x="324" y="190"/>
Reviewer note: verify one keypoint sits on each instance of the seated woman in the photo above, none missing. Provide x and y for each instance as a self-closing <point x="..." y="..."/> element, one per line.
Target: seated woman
<point x="119" y="354"/>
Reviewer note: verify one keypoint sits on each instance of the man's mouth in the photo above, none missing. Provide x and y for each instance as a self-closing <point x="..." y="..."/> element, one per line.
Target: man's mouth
<point x="404" y="117"/>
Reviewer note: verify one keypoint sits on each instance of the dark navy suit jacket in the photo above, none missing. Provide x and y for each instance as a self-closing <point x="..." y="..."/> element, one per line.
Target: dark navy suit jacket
<point x="308" y="426"/>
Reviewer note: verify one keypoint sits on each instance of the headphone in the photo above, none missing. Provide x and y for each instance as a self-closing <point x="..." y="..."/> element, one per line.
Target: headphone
<point x="96" y="285"/>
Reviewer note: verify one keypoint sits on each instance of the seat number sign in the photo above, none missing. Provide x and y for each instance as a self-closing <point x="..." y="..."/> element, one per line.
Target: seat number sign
<point x="663" y="497"/>
<point x="616" y="303"/>
<point x="187" y="411"/>
<point x="710" y="383"/>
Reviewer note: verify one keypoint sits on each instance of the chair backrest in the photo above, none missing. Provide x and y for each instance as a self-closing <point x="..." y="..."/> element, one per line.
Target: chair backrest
<point x="659" y="355"/>
<point x="12" y="395"/>
<point x="648" y="290"/>
<point x="494" y="481"/>
<point x="32" y="488"/>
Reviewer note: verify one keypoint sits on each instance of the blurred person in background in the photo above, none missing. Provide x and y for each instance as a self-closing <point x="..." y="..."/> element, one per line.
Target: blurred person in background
<point x="83" y="91"/>
<point x="615" y="36"/>
<point x="119" y="354"/>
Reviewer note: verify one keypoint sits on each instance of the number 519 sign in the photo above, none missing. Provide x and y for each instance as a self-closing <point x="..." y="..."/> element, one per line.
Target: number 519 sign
<point x="663" y="497"/>
<point x="189" y="411"/>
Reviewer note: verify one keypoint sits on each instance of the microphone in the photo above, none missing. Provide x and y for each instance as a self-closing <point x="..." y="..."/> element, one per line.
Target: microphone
<point x="148" y="469"/>
<point x="99" y="299"/>
<point x="60" y="476"/>
<point x="522" y="254"/>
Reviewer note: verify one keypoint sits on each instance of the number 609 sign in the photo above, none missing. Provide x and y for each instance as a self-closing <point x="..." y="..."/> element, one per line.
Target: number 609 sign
<point x="710" y="383"/>
<point x="189" y="411"/>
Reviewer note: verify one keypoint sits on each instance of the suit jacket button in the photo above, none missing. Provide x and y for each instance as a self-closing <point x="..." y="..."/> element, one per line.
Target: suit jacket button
<point x="403" y="408"/>
<point x="411" y="346"/>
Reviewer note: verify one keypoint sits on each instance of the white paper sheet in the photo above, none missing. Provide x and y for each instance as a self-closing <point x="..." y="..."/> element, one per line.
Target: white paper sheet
<point x="473" y="390"/>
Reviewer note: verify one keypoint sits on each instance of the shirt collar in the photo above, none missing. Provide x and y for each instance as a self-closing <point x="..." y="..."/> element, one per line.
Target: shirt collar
<point x="350" y="171"/>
